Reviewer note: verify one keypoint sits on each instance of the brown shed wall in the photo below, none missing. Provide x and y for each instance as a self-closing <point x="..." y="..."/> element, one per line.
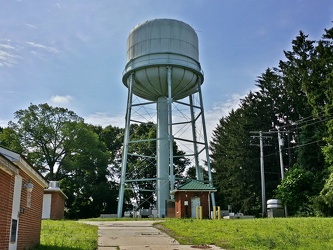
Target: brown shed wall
<point x="57" y="204"/>
<point x="183" y="211"/>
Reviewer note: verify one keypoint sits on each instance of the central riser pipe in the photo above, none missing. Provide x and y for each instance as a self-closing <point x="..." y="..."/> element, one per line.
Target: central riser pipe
<point x="162" y="156"/>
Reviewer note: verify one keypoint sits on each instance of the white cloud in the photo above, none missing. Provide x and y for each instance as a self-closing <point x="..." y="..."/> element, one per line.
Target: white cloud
<point x="47" y="48"/>
<point x="6" y="46"/>
<point x="3" y="123"/>
<point x="105" y="119"/>
<point x="219" y="110"/>
<point x="7" y="55"/>
<point x="31" y="26"/>
<point x="57" y="99"/>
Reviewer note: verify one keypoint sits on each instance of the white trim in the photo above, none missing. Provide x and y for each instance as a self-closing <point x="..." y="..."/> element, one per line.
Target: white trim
<point x="52" y="190"/>
<point x="15" y="211"/>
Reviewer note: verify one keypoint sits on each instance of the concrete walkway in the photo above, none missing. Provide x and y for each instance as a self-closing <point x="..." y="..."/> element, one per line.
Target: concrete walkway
<point x="135" y="235"/>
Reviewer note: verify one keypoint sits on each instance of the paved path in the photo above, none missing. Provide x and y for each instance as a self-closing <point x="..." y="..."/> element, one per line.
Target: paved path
<point x="136" y="235"/>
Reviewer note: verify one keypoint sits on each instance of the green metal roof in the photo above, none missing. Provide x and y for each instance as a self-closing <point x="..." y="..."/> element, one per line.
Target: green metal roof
<point x="194" y="185"/>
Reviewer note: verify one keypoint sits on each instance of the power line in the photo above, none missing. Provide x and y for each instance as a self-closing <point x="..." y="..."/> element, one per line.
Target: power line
<point x="309" y="118"/>
<point x="305" y="144"/>
<point x="293" y="147"/>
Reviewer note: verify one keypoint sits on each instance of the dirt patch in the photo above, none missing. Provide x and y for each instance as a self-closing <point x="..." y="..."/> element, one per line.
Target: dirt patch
<point x="202" y="246"/>
<point x="165" y="230"/>
<point x="175" y="236"/>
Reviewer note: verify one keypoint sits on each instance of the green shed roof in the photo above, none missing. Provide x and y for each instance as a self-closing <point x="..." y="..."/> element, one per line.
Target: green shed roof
<point x="194" y="185"/>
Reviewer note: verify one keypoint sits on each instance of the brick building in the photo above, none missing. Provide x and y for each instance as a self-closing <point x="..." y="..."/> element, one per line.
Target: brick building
<point x="191" y="195"/>
<point x="21" y="196"/>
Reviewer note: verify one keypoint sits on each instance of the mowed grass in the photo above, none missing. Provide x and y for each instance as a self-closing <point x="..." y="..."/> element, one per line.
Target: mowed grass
<point x="275" y="233"/>
<point x="67" y="235"/>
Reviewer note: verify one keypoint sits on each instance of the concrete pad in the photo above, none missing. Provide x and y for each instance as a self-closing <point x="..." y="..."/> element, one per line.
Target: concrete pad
<point x="136" y="235"/>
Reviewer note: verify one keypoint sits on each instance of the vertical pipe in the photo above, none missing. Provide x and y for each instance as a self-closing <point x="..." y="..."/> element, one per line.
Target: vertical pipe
<point x="200" y="208"/>
<point x="206" y="143"/>
<point x="218" y="213"/>
<point x="125" y="148"/>
<point x="262" y="171"/>
<point x="162" y="147"/>
<point x="170" y="100"/>
<point x="209" y="208"/>
<point x="198" y="170"/>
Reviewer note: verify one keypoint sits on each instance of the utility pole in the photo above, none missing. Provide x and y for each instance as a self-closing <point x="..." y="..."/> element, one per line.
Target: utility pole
<point x="262" y="169"/>
<point x="280" y="140"/>
<point x="262" y="172"/>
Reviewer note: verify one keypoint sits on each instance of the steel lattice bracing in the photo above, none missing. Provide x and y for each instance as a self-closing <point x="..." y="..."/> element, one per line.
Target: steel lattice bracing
<point x="179" y="122"/>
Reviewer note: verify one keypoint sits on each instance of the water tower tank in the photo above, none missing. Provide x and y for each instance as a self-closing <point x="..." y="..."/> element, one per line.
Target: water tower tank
<point x="155" y="45"/>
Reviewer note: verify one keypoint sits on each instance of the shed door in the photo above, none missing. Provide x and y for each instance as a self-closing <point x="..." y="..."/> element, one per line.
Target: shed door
<point x="195" y="202"/>
<point x="15" y="213"/>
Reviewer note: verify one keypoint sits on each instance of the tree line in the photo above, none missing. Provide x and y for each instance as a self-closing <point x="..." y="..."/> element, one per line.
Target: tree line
<point x="294" y="98"/>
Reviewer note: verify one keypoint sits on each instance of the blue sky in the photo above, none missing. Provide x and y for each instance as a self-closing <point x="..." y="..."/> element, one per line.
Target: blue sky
<point x="72" y="53"/>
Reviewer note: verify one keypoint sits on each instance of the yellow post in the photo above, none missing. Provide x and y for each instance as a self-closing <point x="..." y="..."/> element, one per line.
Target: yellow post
<point x="214" y="213"/>
<point x="197" y="212"/>
<point x="218" y="213"/>
<point x="200" y="212"/>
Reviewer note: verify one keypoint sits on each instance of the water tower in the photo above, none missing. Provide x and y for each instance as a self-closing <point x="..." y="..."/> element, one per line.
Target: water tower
<point x="163" y="75"/>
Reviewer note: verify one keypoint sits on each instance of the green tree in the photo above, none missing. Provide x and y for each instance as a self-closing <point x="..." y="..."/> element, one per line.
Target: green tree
<point x="324" y="201"/>
<point x="62" y="147"/>
<point x="315" y="135"/>
<point x="88" y="185"/>
<point x="295" y="191"/>
<point x="113" y="138"/>
<point x="234" y="176"/>
<point x="279" y="103"/>
<point x="319" y="89"/>
<point x="47" y="136"/>
<point x="10" y="139"/>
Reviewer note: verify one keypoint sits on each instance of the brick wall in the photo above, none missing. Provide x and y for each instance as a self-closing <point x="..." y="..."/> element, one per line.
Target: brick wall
<point x="57" y="205"/>
<point x="6" y="203"/>
<point x="30" y="220"/>
<point x="182" y="211"/>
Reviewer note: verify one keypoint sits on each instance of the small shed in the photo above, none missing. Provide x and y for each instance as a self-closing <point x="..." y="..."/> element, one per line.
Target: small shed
<point x="54" y="202"/>
<point x="191" y="194"/>
<point x="21" y="201"/>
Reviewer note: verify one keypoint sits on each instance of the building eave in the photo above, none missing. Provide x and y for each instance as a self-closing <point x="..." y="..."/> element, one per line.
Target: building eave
<point x="193" y="190"/>
<point x="24" y="165"/>
<point x="53" y="190"/>
<point x="7" y="166"/>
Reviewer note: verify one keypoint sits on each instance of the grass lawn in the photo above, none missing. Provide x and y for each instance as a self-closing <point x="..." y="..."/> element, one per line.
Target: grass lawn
<point x="67" y="235"/>
<point x="275" y="233"/>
